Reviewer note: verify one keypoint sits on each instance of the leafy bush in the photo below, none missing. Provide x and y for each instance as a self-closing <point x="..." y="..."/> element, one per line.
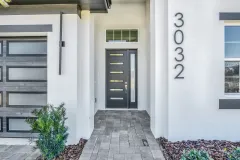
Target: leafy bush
<point x="234" y="155"/>
<point x="195" y="155"/>
<point x="50" y="124"/>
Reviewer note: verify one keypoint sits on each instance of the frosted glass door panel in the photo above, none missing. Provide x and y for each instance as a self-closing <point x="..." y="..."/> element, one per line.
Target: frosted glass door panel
<point x="18" y="125"/>
<point x="29" y="99"/>
<point x="27" y="74"/>
<point x="133" y="78"/>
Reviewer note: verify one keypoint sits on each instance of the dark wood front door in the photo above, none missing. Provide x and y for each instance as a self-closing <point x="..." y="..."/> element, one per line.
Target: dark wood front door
<point x="121" y="78"/>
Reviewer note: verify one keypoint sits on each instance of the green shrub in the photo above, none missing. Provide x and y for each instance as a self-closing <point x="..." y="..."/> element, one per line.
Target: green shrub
<point x="195" y="155"/>
<point x="50" y="124"/>
<point x="234" y="155"/>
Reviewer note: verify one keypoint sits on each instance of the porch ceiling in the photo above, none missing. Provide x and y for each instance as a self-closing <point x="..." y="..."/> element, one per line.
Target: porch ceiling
<point x="93" y="5"/>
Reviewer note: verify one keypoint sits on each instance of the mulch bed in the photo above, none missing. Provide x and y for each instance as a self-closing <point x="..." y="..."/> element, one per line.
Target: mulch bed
<point x="71" y="152"/>
<point x="216" y="149"/>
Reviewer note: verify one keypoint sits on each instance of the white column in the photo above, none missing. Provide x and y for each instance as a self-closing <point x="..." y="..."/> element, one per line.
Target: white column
<point x="92" y="72"/>
<point x="159" y="67"/>
<point x="85" y="114"/>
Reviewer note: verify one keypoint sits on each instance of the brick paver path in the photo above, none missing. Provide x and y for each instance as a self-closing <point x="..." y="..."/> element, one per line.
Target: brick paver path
<point x="122" y="135"/>
<point x="18" y="152"/>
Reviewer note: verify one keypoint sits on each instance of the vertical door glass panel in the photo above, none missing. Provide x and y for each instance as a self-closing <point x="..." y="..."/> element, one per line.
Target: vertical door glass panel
<point x="116" y="54"/>
<point x="133" y="78"/>
<point x="117" y="35"/>
<point x="134" y="35"/>
<point x="116" y="72"/>
<point x="116" y="81"/>
<point x="125" y="35"/>
<point x="109" y="34"/>
<point x="231" y="77"/>
<point x="27" y="48"/>
<point x="116" y="63"/>
<point x="116" y="98"/>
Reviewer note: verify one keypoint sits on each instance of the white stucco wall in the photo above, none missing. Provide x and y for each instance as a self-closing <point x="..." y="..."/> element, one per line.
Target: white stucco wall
<point x="85" y="69"/>
<point x="61" y="88"/>
<point x="122" y="16"/>
<point x="159" y="67"/>
<point x="194" y="101"/>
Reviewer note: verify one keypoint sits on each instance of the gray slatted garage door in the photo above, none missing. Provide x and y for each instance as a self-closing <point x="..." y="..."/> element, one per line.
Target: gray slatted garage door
<point x="23" y="82"/>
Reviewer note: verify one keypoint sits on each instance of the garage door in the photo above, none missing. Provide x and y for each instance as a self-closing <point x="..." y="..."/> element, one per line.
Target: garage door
<point x="23" y="82"/>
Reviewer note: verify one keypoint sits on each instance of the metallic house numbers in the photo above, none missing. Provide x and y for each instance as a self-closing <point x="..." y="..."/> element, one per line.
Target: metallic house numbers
<point x="178" y="40"/>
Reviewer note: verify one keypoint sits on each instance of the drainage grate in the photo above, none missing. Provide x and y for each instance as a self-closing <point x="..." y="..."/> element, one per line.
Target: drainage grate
<point x="145" y="142"/>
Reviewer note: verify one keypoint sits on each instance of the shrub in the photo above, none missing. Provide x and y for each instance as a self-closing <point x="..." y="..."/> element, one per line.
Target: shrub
<point x="195" y="155"/>
<point x="234" y="155"/>
<point x="50" y="124"/>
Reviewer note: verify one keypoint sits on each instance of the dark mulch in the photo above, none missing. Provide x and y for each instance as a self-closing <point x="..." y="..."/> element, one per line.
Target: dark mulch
<point x="216" y="149"/>
<point x="71" y="152"/>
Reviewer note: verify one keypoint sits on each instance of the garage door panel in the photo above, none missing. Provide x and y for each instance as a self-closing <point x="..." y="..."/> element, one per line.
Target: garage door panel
<point x="24" y="86"/>
<point x="26" y="99"/>
<point x="26" y="74"/>
<point x="17" y="124"/>
<point x="23" y="71"/>
<point x="16" y="112"/>
<point x="24" y="60"/>
<point x="26" y="48"/>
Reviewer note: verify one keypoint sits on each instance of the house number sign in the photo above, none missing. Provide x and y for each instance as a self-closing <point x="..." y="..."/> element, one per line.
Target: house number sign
<point x="178" y="41"/>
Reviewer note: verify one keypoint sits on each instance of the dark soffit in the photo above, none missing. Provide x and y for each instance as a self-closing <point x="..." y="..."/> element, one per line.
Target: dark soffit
<point x="93" y="5"/>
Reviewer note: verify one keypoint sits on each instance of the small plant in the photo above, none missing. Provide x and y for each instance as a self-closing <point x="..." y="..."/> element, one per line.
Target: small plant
<point x="195" y="155"/>
<point x="50" y="124"/>
<point x="4" y="3"/>
<point x="234" y="155"/>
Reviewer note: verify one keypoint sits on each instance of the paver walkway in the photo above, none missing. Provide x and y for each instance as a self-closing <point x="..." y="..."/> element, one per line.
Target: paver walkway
<point x="18" y="152"/>
<point x="122" y="135"/>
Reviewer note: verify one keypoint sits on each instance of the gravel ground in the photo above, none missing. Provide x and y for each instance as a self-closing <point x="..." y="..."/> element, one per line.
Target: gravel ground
<point x="216" y="149"/>
<point x="71" y="152"/>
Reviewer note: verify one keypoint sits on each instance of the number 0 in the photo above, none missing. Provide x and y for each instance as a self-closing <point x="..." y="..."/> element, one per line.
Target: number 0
<point x="180" y="33"/>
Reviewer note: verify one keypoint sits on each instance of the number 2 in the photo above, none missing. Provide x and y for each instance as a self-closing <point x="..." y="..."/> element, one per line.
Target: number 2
<point x="181" y="71"/>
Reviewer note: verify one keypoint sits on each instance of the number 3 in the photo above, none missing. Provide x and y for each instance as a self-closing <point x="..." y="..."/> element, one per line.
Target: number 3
<point x="180" y="19"/>
<point x="180" y="53"/>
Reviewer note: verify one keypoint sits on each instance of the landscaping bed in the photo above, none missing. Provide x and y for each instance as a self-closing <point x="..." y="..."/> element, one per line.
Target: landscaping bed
<point x="216" y="149"/>
<point x="71" y="152"/>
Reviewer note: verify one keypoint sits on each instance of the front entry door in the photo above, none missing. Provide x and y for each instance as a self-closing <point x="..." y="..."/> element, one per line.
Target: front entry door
<point x="121" y="78"/>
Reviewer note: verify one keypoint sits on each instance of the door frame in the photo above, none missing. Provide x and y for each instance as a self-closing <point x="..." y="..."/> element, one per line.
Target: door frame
<point x="136" y="88"/>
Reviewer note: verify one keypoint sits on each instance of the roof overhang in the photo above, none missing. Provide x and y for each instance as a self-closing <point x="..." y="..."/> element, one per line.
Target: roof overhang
<point x="99" y="6"/>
